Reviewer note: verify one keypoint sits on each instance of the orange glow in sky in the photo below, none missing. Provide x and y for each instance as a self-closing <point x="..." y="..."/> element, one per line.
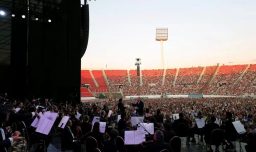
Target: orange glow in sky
<point x="200" y="33"/>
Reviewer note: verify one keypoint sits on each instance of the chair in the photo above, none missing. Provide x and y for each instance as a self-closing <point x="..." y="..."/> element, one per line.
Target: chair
<point x="164" y="150"/>
<point x="217" y="138"/>
<point x="120" y="144"/>
<point x="91" y="143"/>
<point x="96" y="150"/>
<point x="175" y="144"/>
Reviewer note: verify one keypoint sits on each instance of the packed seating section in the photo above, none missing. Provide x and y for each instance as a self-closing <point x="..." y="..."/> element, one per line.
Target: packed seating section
<point x="212" y="80"/>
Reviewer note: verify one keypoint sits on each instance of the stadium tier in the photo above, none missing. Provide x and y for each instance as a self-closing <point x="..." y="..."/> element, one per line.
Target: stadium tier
<point x="116" y="79"/>
<point x="100" y="80"/>
<point x="212" y="80"/>
<point x="85" y="92"/>
<point x="86" y="78"/>
<point x="151" y="81"/>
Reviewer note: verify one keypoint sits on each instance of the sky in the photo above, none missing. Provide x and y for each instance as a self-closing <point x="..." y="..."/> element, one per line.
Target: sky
<point x="200" y="33"/>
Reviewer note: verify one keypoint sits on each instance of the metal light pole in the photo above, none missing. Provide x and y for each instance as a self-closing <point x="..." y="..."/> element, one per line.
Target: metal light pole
<point x="138" y="63"/>
<point x="162" y="36"/>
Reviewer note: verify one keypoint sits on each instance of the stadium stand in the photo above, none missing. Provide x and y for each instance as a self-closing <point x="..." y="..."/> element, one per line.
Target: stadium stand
<point x="169" y="80"/>
<point x="86" y="83"/>
<point x="85" y="92"/>
<point x="134" y="83"/>
<point x="187" y="79"/>
<point x="152" y="81"/>
<point x="206" y="78"/>
<point x="117" y="79"/>
<point x="99" y="78"/>
<point x="226" y="77"/>
<point x="212" y="80"/>
<point x="247" y="83"/>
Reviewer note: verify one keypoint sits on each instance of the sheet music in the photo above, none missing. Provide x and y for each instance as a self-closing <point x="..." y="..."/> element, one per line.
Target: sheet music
<point x="133" y="137"/>
<point x="36" y="120"/>
<point x="47" y="114"/>
<point x="149" y="127"/>
<point x="17" y="109"/>
<point x="136" y="120"/>
<point x="118" y="118"/>
<point x="43" y="126"/>
<point x="200" y="122"/>
<point x="129" y="137"/>
<point x="103" y="127"/>
<point x="46" y="122"/>
<point x="110" y="113"/>
<point x="40" y="107"/>
<point x="218" y="121"/>
<point x="239" y="127"/>
<point x="63" y="122"/>
<point x="175" y="116"/>
<point x="78" y="115"/>
<point x="35" y="123"/>
<point x="95" y="119"/>
<point x="139" y="137"/>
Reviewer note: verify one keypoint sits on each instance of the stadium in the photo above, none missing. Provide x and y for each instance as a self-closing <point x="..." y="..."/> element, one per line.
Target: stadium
<point x="68" y="82"/>
<point x="209" y="90"/>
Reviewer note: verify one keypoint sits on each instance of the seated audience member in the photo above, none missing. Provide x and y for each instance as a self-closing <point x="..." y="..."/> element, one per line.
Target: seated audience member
<point x="7" y="141"/>
<point x="196" y="130"/>
<point x="110" y="144"/>
<point x="139" y="107"/>
<point x="181" y="126"/>
<point x="86" y="125"/>
<point x="230" y="132"/>
<point x="159" y="116"/>
<point x="148" y="115"/>
<point x="122" y="124"/>
<point x="251" y="142"/>
<point x="120" y="105"/>
<point x="67" y="137"/>
<point x="157" y="144"/>
<point x="168" y="132"/>
<point x="208" y="128"/>
<point x="97" y="134"/>
<point x="91" y="144"/>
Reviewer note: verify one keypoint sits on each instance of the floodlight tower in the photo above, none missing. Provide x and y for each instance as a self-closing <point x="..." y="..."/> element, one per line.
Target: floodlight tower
<point x="162" y="36"/>
<point x="138" y="63"/>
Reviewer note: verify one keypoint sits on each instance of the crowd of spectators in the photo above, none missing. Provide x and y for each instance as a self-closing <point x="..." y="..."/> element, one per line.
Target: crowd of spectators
<point x="212" y="80"/>
<point x="247" y="83"/>
<point x="80" y="134"/>
<point x="152" y="82"/>
<point x="225" y="78"/>
<point x="117" y="79"/>
<point x="135" y="83"/>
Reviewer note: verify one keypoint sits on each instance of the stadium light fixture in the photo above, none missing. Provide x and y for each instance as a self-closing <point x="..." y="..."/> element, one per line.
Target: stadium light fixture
<point x="138" y="61"/>
<point x="162" y="36"/>
<point x="137" y="64"/>
<point x="2" y="13"/>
